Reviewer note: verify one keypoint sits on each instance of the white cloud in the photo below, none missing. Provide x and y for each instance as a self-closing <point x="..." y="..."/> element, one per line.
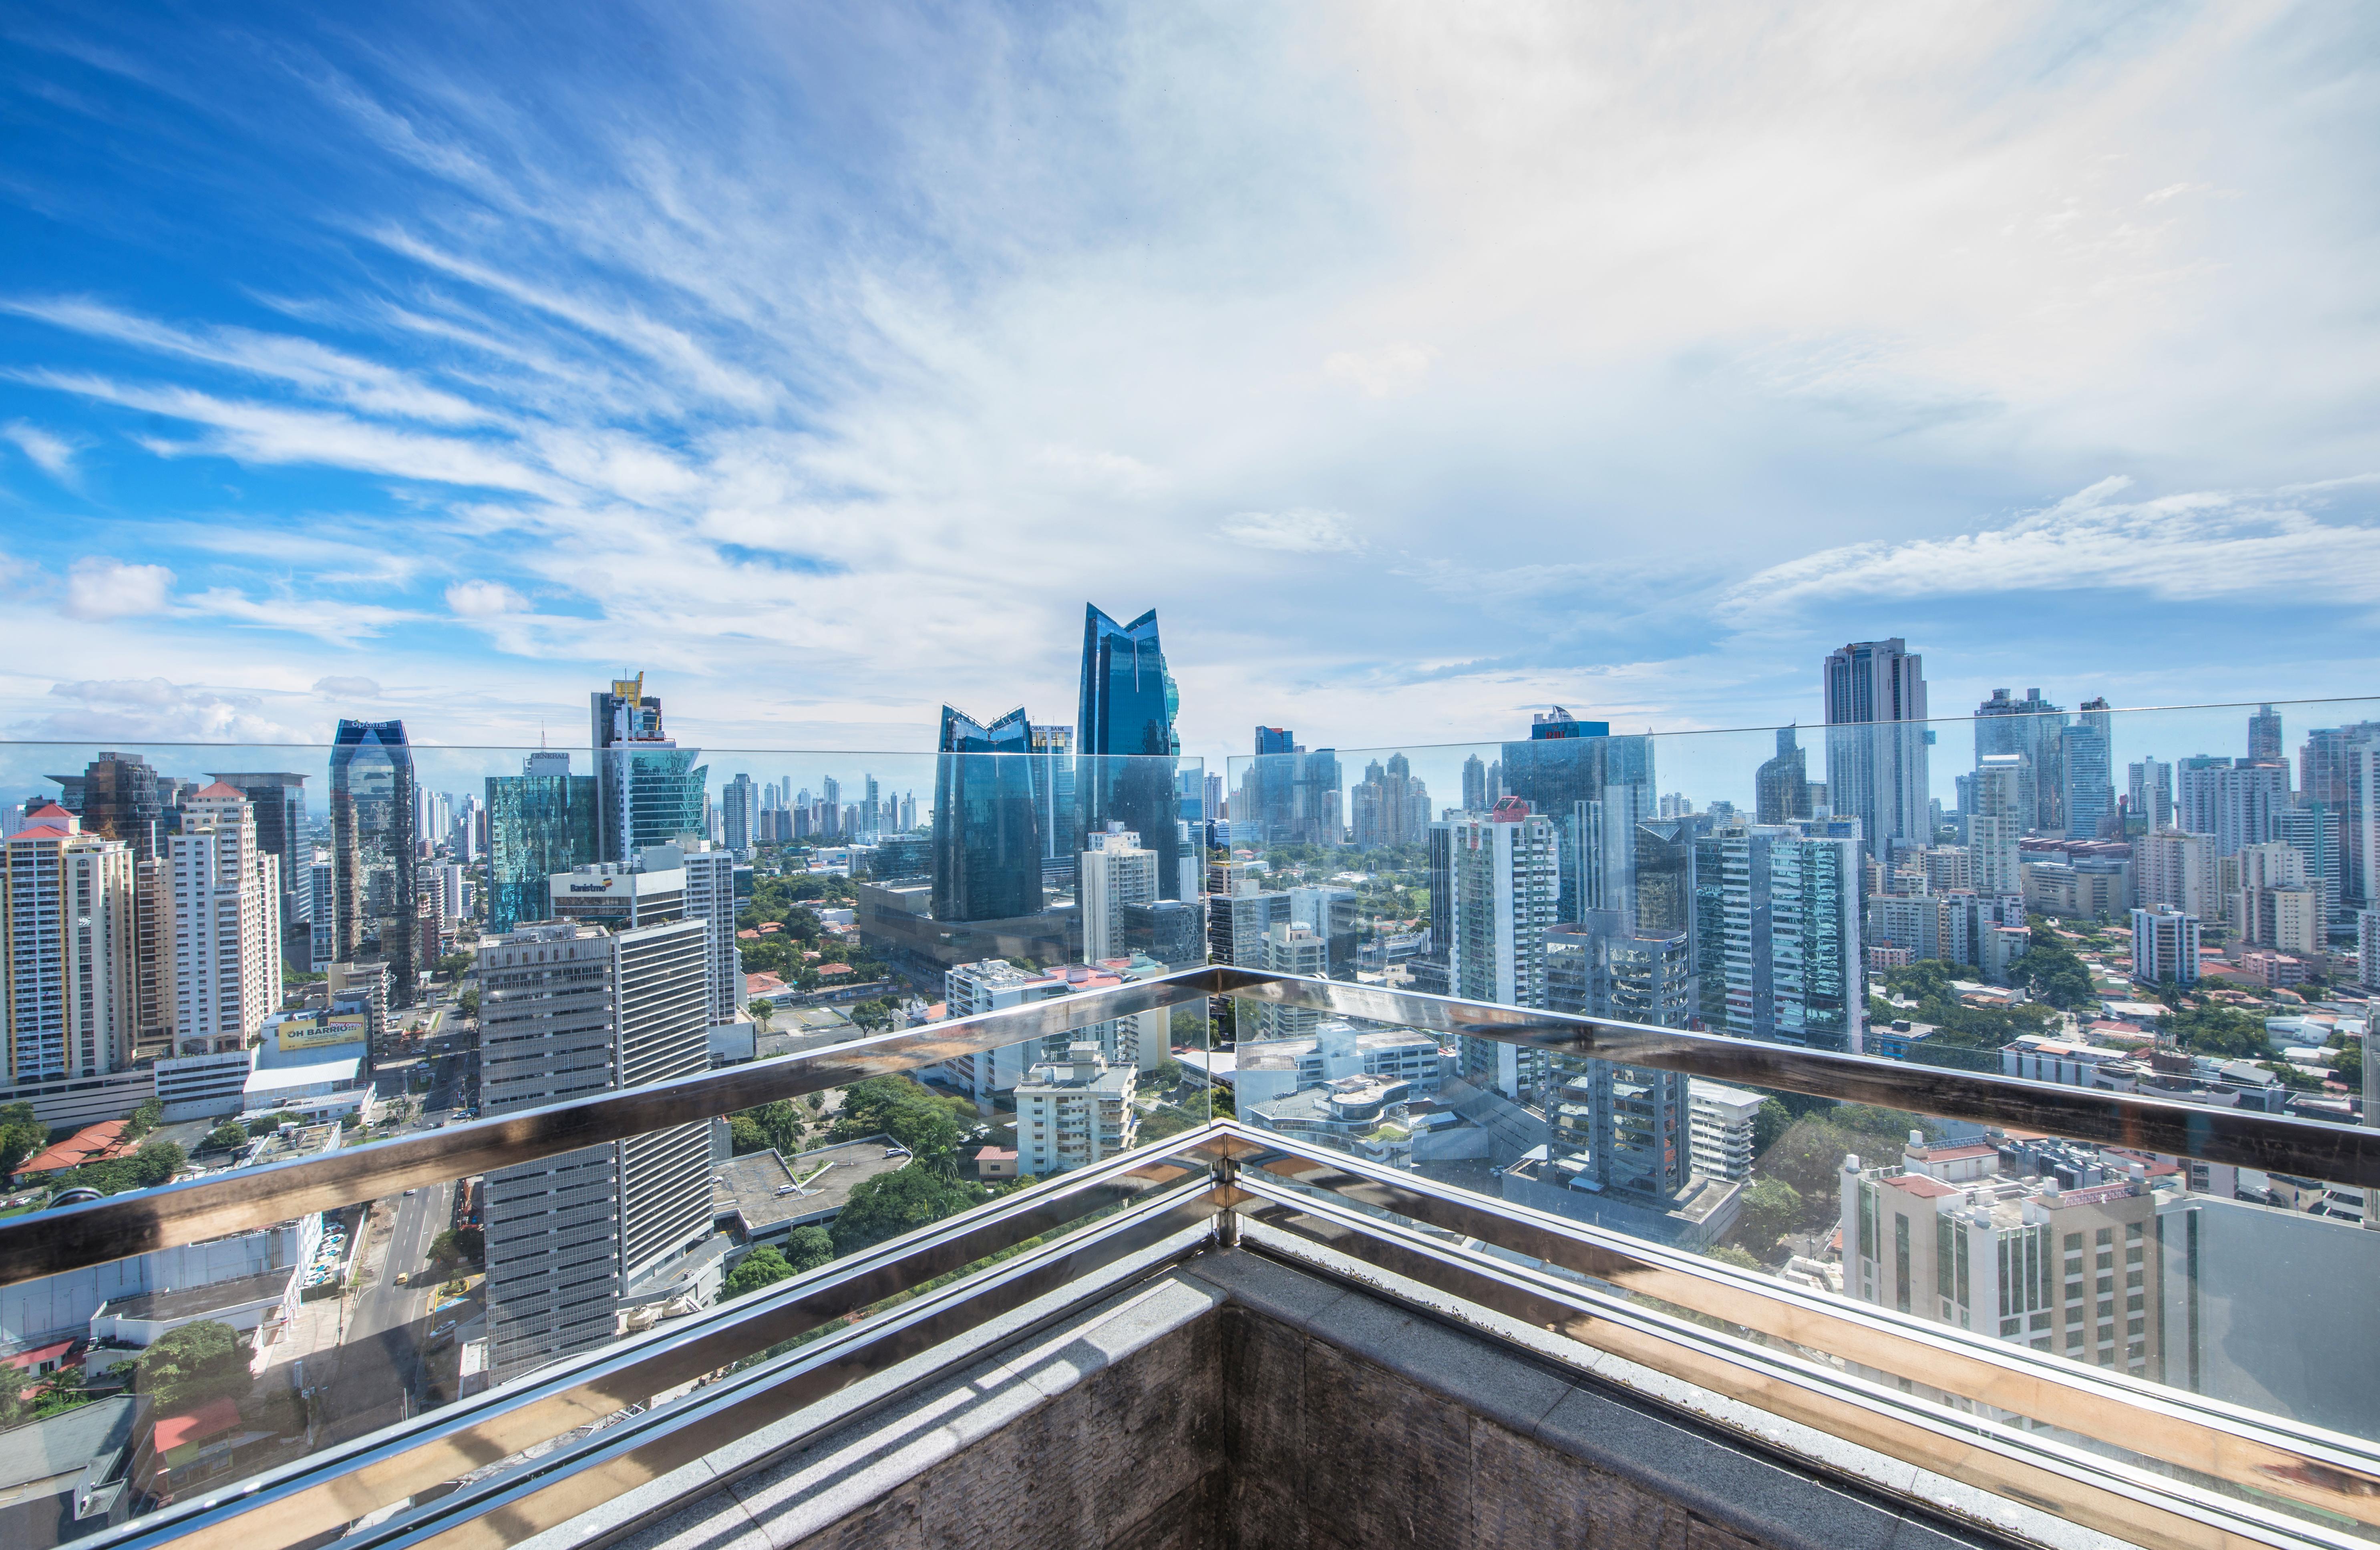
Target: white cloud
<point x="482" y="600"/>
<point x="98" y="587"/>
<point x="53" y="454"/>
<point x="2177" y="548"/>
<point x="1300" y="531"/>
<point x="331" y="620"/>
<point x="347" y="689"/>
<point x="1390" y="371"/>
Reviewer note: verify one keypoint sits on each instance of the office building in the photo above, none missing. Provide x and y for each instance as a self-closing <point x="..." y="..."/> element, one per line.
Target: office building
<point x="1114" y="871"/>
<point x="375" y="903"/>
<point x="709" y="873"/>
<point x="1331" y="912"/>
<point x="1596" y="790"/>
<point x="2164" y="947"/>
<point x="1334" y="1050"/>
<point x="988" y="850"/>
<point x="540" y="822"/>
<point x="1126" y="748"/>
<point x="1876" y="742"/>
<point x="67" y="985"/>
<point x="2149" y="802"/>
<point x="2003" y="782"/>
<point x="569" y="1011"/>
<point x="2085" y="755"/>
<point x="227" y="931"/>
<point x="1074" y="1112"/>
<point x="1389" y="805"/>
<point x="1287" y="794"/>
<point x="2367" y="955"/>
<point x="2036" y="728"/>
<point x="1474" y="784"/>
<point x="2237" y="803"/>
<point x="1817" y="962"/>
<point x="1292" y="947"/>
<point x="1781" y="786"/>
<point x="278" y="801"/>
<point x="1505" y="883"/>
<point x="649" y="791"/>
<point x="118" y="796"/>
<point x="739" y="816"/>
<point x="2265" y="737"/>
<point x="2315" y="832"/>
<point x="1057" y="809"/>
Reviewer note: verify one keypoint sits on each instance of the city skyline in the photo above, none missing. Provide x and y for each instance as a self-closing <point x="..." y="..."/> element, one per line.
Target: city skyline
<point x="402" y="379"/>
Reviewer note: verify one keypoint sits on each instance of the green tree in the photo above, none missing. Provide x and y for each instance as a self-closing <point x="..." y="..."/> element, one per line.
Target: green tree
<point x="776" y="1124"/>
<point x="264" y="1125"/>
<point x="2219" y="1032"/>
<point x="2049" y="970"/>
<point x="1771" y="1208"/>
<point x="1169" y="1072"/>
<point x="760" y="1010"/>
<point x="458" y="1246"/>
<point x="2350" y="1065"/>
<point x="896" y="1107"/>
<point x="21" y="1135"/>
<point x="145" y="1119"/>
<point x="1768" y="1122"/>
<point x="454" y="965"/>
<point x="891" y="1204"/>
<point x="468" y="1002"/>
<point x="745" y="1135"/>
<point x="190" y="1366"/>
<point x="762" y="1267"/>
<point x="807" y="1248"/>
<point x="1728" y="1253"/>
<point x="874" y="1016"/>
<point x="230" y="1135"/>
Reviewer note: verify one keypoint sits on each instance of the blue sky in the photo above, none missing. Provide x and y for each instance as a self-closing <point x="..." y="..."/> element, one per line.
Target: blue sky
<point x="1422" y="365"/>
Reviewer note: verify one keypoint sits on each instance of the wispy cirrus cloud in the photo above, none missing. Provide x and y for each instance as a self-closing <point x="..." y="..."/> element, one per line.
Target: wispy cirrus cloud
<point x="2178" y="548"/>
<point x="53" y="454"/>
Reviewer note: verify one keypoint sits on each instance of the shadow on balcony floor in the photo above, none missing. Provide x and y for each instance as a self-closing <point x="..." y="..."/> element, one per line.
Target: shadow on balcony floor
<point x="1239" y="1401"/>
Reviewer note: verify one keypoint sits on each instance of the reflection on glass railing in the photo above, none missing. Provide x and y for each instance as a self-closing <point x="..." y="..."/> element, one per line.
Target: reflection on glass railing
<point x="2165" y="903"/>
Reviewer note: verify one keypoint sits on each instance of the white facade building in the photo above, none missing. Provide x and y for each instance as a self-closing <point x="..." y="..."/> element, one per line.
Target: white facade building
<point x="1506" y="879"/>
<point x="2164" y="947"/>
<point x="1074" y="1113"/>
<point x="1722" y="1118"/>
<point x="226" y="923"/>
<point x="2175" y="869"/>
<point x="1113" y="872"/>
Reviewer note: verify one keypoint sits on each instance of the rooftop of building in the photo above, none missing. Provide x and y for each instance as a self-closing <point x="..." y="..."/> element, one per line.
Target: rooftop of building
<point x="90" y="1144"/>
<point x="766" y="1192"/>
<point x="1921" y="1185"/>
<point x="186" y="1303"/>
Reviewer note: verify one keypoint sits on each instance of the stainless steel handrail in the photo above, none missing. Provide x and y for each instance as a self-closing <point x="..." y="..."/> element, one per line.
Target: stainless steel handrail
<point x="50" y="1242"/>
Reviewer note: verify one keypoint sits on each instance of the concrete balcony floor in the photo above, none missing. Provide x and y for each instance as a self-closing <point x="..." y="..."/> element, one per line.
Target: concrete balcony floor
<point x="1241" y="1400"/>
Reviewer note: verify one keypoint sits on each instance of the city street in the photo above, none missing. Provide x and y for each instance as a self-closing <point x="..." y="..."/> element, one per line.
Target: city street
<point x="380" y="1361"/>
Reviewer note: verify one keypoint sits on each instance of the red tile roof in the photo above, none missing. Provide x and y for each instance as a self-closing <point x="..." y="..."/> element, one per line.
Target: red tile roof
<point x="1922" y="1186"/>
<point x="221" y="789"/>
<point x="216" y="1416"/>
<point x="24" y="1360"/>
<point x="86" y="1145"/>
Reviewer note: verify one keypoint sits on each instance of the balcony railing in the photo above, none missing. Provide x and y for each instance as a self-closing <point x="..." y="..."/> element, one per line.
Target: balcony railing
<point x="2130" y="1457"/>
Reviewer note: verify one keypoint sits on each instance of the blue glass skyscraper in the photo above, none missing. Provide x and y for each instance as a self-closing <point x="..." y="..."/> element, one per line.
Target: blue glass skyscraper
<point x="375" y="909"/>
<point x="986" y="838"/>
<point x="651" y="788"/>
<point x="539" y="822"/>
<point x="1126" y="742"/>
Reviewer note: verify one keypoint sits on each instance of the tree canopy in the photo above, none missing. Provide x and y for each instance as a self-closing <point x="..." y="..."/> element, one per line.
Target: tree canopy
<point x="2220" y="1032"/>
<point x="775" y="1126"/>
<point x="927" y="1123"/>
<point x="156" y="1162"/>
<point x="190" y="1366"/>
<point x="21" y="1136"/>
<point x="2050" y="972"/>
<point x="892" y="1204"/>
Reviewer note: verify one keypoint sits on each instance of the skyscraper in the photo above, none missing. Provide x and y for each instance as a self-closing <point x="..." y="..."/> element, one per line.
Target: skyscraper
<point x="119" y="797"/>
<point x="570" y="1011"/>
<point x="1596" y="788"/>
<point x="1124" y="736"/>
<point x="2237" y="803"/>
<point x="2085" y="754"/>
<point x="542" y="820"/>
<point x="1115" y="871"/>
<point x="1474" y="784"/>
<point x="739" y="816"/>
<point x="1781" y="791"/>
<point x="226" y="929"/>
<point x="2265" y="737"/>
<point x="2150" y="796"/>
<point x="650" y="789"/>
<point x="373" y="853"/>
<point x="1998" y="822"/>
<point x="987" y="852"/>
<point x="1876" y="742"/>
<point x="2036" y="728"/>
<point x="1814" y="891"/>
<point x="279" y="801"/>
<point x="1505" y="879"/>
<point x="67" y="986"/>
<point x="1056" y="809"/>
<point x="1389" y="805"/>
<point x="2313" y="830"/>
